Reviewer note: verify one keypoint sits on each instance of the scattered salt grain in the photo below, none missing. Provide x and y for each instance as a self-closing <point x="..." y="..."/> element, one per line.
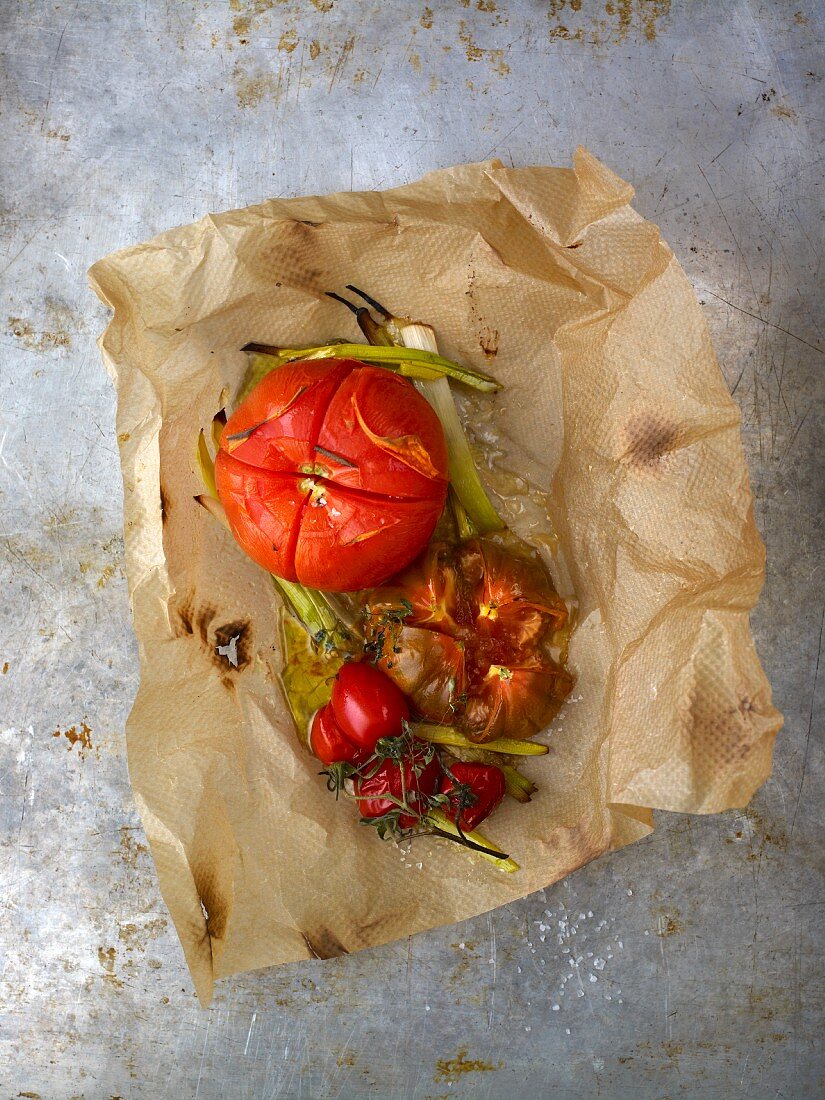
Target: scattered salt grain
<point x="528" y="1028"/>
<point x="593" y="978"/>
<point x="599" y="964"/>
<point x="555" y="1008"/>
<point x="630" y="893"/>
<point x="426" y="1008"/>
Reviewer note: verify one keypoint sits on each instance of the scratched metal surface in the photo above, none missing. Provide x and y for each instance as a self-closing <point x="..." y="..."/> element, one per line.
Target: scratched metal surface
<point x="697" y="960"/>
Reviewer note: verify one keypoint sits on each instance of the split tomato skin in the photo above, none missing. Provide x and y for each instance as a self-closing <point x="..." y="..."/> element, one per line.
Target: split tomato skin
<point x="376" y="793"/>
<point x="367" y="705"/>
<point x="462" y="632"/>
<point x="487" y="784"/>
<point x="333" y="473"/>
<point x="329" y="742"/>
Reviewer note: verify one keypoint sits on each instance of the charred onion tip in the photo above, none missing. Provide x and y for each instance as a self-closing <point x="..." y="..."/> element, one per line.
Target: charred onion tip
<point x="343" y="301"/>
<point x="385" y="313"/>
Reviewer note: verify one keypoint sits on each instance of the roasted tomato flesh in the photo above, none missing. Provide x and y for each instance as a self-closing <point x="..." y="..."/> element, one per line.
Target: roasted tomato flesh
<point x="463" y="631"/>
<point x="333" y="473"/>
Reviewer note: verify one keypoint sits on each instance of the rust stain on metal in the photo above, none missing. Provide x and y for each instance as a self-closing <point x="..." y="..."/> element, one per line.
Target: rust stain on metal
<point x="80" y="734"/>
<point x="453" y="1069"/>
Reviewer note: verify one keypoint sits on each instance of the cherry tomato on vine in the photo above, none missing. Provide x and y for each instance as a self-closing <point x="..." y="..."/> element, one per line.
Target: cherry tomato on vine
<point x="486" y="783"/>
<point x="380" y="793"/>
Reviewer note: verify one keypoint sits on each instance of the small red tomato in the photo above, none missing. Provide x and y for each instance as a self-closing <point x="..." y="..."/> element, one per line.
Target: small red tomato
<point x="329" y="742"/>
<point x="485" y="781"/>
<point x="380" y="793"/>
<point x="367" y="705"/>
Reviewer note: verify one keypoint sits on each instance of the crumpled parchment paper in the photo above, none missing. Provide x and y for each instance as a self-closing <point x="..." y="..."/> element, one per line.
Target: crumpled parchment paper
<point x="616" y="448"/>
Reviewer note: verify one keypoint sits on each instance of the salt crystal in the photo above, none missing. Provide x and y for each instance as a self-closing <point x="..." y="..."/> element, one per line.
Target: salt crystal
<point x="590" y="954"/>
<point x="518" y="969"/>
<point x="567" y="1031"/>
<point x="426" y="1008"/>
<point x="579" y="992"/>
<point x="621" y="945"/>
<point x="646" y="932"/>
<point x="461" y="945"/>
<point x="582" y="916"/>
<point x="607" y="997"/>
<point x="590" y="912"/>
<point x="528" y="1028"/>
<point x="555" y="1008"/>
<point x="630" y="893"/>
<point x="598" y="964"/>
<point x="593" y="978"/>
<point x="621" y="1002"/>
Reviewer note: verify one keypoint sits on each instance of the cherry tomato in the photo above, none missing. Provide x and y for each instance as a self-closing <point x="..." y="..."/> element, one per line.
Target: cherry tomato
<point x="376" y="793"/>
<point x="367" y="704"/>
<point x="329" y="742"/>
<point x="486" y="783"/>
<point x="333" y="473"/>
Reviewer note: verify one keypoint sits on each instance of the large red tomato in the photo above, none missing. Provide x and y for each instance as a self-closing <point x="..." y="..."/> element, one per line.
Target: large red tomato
<point x="462" y="632"/>
<point x="333" y="473"/>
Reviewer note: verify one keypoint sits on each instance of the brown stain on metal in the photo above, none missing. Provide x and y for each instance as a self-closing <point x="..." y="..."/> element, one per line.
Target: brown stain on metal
<point x="453" y="1069"/>
<point x="136" y="937"/>
<point x="241" y="27"/>
<point x="5" y="668"/>
<point x="43" y="341"/>
<point x="314" y="49"/>
<point x="288" y="41"/>
<point x="323" y="6"/>
<point x="668" y="922"/>
<point x="80" y="734"/>
<point x="474" y="52"/>
<point x="106" y="957"/>
<point x="623" y="18"/>
<point x="782" y="111"/>
<point x="252" y="7"/>
<point x="130" y="850"/>
<point x="251" y="90"/>
<point x="426" y="19"/>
